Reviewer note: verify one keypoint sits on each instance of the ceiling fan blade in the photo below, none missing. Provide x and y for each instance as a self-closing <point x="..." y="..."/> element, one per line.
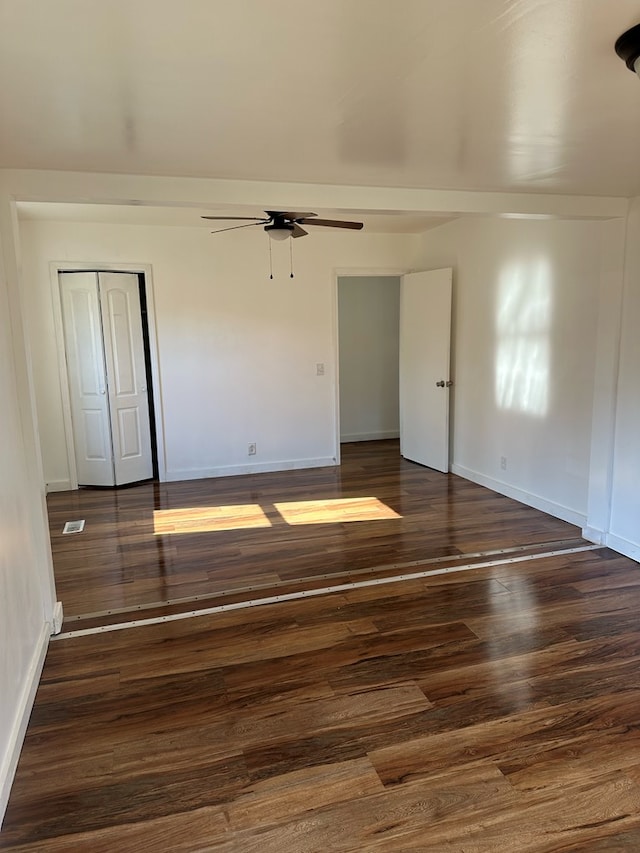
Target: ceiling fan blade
<point x="287" y="214"/>
<point x="333" y="223"/>
<point x="256" y="218"/>
<point x="235" y="227"/>
<point x="298" y="231"/>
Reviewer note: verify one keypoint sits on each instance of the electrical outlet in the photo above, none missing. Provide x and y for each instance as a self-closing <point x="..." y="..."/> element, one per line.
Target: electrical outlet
<point x="503" y="463"/>
<point x="252" y="449"/>
<point x="320" y="369"/>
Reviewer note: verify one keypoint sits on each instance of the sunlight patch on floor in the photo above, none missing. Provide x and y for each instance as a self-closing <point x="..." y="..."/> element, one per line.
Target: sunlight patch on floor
<point x="208" y="519"/>
<point x="335" y="511"/>
<point x="205" y="519"/>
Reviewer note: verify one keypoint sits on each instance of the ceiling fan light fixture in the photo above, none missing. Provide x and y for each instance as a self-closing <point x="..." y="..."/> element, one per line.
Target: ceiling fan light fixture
<point x="279" y="231"/>
<point x="628" y="48"/>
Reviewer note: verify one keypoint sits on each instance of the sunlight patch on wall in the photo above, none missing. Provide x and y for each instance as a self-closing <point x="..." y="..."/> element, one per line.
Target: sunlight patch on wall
<point x="335" y="511"/>
<point x="204" y="519"/>
<point x="523" y="352"/>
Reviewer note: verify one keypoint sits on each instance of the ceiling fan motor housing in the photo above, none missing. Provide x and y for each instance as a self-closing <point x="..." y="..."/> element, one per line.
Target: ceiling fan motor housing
<point x="628" y="47"/>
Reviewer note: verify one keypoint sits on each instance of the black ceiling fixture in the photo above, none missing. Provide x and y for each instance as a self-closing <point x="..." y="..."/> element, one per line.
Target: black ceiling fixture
<point x="280" y="224"/>
<point x="628" y="48"/>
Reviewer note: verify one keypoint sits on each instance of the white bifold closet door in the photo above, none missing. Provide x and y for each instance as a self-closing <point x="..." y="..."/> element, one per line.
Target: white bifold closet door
<point x="107" y="377"/>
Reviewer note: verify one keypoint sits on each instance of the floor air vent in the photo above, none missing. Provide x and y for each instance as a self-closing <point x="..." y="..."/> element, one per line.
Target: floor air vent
<point x="74" y="526"/>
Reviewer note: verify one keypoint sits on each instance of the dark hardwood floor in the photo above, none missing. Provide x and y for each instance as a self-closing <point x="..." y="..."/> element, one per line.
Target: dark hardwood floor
<point x="492" y="711"/>
<point x="158" y="542"/>
<point x="495" y="710"/>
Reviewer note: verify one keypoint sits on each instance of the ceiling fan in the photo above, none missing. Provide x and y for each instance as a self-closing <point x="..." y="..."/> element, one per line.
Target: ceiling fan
<point x="280" y="224"/>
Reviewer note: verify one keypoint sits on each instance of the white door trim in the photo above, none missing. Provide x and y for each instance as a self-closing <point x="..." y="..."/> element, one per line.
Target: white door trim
<point x="56" y="267"/>
<point x="351" y="272"/>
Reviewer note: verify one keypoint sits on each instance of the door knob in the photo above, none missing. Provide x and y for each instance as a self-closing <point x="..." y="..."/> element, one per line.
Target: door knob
<point x="440" y="384"/>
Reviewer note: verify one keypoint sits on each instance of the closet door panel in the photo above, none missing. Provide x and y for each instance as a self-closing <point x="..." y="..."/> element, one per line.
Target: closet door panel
<point x="87" y="379"/>
<point x="126" y="374"/>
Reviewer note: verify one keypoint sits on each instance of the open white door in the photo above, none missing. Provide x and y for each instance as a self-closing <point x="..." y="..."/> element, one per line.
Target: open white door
<point x="87" y="378"/>
<point x="124" y="355"/>
<point x="425" y="342"/>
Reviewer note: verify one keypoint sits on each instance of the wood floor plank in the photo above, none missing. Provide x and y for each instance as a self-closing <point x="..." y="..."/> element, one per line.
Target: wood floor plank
<point x="517" y="743"/>
<point x="189" y="832"/>
<point x="527" y="826"/>
<point x="294" y="794"/>
<point x="256" y="726"/>
<point x="91" y="807"/>
<point x="467" y="679"/>
<point x="380" y="821"/>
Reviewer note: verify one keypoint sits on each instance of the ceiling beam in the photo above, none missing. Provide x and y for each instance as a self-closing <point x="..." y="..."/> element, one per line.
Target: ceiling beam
<point x="202" y="193"/>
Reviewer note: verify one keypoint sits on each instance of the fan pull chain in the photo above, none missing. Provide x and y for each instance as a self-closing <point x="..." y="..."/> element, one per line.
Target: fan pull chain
<point x="291" y="256"/>
<point x="270" y="259"/>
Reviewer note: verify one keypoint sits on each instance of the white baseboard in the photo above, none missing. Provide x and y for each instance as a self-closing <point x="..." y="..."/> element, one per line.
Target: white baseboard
<point x="58" y="486"/>
<point x="616" y="543"/>
<point x="550" y="507"/>
<point x="21" y="719"/>
<point x="369" y="436"/>
<point x="58" y="618"/>
<point x="623" y="546"/>
<point x="592" y="534"/>
<point x="253" y="468"/>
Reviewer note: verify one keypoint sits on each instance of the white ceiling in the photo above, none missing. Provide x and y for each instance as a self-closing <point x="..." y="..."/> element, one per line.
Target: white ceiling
<point x="513" y="95"/>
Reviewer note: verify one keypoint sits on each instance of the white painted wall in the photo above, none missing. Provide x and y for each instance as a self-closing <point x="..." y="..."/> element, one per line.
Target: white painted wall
<point x="237" y="352"/>
<point x="27" y="596"/>
<point x="369" y="326"/>
<point x="624" y="533"/>
<point x="524" y="350"/>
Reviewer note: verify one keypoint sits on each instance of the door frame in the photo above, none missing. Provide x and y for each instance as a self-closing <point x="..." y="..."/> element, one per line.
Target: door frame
<point x="57" y="267"/>
<point x="349" y="272"/>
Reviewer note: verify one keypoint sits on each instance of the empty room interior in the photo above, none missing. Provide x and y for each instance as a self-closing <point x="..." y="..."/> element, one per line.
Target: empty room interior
<point x="319" y="456"/>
